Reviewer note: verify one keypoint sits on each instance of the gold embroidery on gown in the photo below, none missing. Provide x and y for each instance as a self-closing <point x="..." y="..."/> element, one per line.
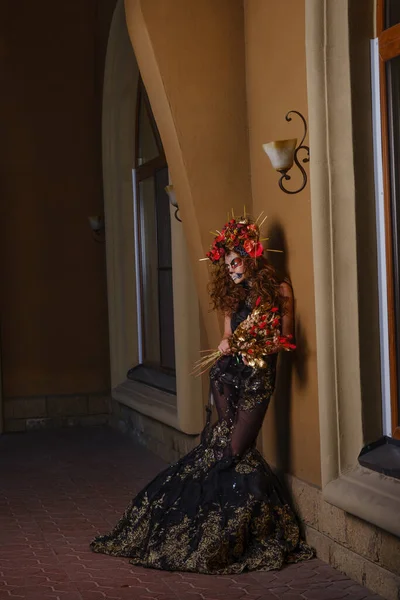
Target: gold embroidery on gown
<point x="219" y="509"/>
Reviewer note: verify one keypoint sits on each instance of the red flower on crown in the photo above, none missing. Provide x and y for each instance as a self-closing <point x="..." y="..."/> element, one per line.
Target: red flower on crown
<point x="236" y="234"/>
<point x="253" y="248"/>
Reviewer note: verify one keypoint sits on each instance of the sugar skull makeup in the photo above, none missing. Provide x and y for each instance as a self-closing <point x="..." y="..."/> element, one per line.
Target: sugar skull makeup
<point x="235" y="267"/>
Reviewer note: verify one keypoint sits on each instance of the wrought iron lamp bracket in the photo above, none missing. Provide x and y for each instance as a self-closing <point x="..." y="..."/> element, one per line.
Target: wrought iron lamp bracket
<point x="306" y="159"/>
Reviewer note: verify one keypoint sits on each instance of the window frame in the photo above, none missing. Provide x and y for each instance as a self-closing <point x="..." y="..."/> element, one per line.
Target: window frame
<point x="389" y="47"/>
<point x="145" y="171"/>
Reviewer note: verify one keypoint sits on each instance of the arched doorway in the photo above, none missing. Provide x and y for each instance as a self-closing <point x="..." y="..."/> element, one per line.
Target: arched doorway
<point x="122" y="167"/>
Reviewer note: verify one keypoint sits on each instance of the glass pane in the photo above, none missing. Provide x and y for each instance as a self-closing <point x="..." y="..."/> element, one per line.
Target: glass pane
<point x="165" y="271"/>
<point x="392" y="11"/>
<point x="163" y="220"/>
<point x="393" y="94"/>
<point x="167" y="320"/>
<point x="149" y="267"/>
<point x="147" y="142"/>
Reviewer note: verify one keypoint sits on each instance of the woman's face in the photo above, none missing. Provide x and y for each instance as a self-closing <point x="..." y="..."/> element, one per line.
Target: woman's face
<point x="235" y="267"/>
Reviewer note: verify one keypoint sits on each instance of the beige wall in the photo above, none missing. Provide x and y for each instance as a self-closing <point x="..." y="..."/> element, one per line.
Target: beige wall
<point x="362" y="24"/>
<point x="216" y="70"/>
<point x="276" y="83"/>
<point x="194" y="72"/>
<point x="53" y="281"/>
<point x="118" y="139"/>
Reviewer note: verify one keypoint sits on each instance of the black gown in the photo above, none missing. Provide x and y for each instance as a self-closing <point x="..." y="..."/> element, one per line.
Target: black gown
<point x="219" y="509"/>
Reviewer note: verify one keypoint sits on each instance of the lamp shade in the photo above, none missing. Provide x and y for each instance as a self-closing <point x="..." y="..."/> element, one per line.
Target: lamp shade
<point x="96" y="222"/>
<point x="281" y="153"/>
<point x="171" y="194"/>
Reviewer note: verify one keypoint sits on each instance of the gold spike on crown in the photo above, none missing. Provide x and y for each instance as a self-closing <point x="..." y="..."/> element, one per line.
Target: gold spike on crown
<point x="240" y="235"/>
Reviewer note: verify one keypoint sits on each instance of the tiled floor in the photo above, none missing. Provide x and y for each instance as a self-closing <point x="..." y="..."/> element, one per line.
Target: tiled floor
<point x="58" y="489"/>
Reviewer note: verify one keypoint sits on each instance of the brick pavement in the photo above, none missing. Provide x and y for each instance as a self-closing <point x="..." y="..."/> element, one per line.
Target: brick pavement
<point x="60" y="488"/>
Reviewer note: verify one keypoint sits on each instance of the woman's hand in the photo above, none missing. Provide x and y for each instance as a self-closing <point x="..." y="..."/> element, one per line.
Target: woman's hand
<point x="224" y="346"/>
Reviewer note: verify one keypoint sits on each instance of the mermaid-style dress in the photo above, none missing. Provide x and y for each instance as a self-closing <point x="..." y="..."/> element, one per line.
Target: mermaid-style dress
<point x="219" y="509"/>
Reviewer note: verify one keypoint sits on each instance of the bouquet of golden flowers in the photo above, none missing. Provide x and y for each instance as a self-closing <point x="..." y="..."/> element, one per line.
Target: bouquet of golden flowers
<point x="255" y="337"/>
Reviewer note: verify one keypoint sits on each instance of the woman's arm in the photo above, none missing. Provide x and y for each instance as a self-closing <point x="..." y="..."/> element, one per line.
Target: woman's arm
<point x="227" y="327"/>
<point x="224" y="344"/>
<point x="286" y="292"/>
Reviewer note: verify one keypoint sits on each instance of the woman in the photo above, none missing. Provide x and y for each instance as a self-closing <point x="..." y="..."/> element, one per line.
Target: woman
<point x="220" y="509"/>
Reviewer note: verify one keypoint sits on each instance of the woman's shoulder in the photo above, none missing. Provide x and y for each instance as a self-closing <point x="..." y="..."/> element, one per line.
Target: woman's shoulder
<point x="285" y="289"/>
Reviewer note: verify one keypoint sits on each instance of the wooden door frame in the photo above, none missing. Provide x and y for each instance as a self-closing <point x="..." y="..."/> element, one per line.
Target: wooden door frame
<point x="144" y="171"/>
<point x="389" y="47"/>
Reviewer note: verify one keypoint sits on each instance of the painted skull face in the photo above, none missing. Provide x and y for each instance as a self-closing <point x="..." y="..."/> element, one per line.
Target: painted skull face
<point x="235" y="267"/>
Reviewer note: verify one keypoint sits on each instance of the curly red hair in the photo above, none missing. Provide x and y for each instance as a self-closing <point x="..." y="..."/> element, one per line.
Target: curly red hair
<point x="227" y="295"/>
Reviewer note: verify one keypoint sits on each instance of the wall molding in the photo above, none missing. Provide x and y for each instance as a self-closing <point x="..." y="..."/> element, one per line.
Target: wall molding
<point x="343" y="221"/>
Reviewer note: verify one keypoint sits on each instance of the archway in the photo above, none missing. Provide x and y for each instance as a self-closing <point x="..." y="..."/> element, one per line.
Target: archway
<point x="119" y="121"/>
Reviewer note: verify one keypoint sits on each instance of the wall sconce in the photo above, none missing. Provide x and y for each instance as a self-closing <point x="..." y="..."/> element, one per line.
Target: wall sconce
<point x="283" y="153"/>
<point x="98" y="227"/>
<point x="172" y="198"/>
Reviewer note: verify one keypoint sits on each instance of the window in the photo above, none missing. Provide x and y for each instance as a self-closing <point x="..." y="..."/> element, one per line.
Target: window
<point x="388" y="16"/>
<point x="153" y="231"/>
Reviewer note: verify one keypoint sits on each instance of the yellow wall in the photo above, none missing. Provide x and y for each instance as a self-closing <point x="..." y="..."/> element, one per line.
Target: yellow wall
<point x="53" y="282"/>
<point x="191" y="56"/>
<point x="276" y="83"/>
<point x="213" y="72"/>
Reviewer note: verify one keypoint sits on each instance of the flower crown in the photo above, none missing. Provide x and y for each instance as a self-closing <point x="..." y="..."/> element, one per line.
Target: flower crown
<point x="240" y="235"/>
